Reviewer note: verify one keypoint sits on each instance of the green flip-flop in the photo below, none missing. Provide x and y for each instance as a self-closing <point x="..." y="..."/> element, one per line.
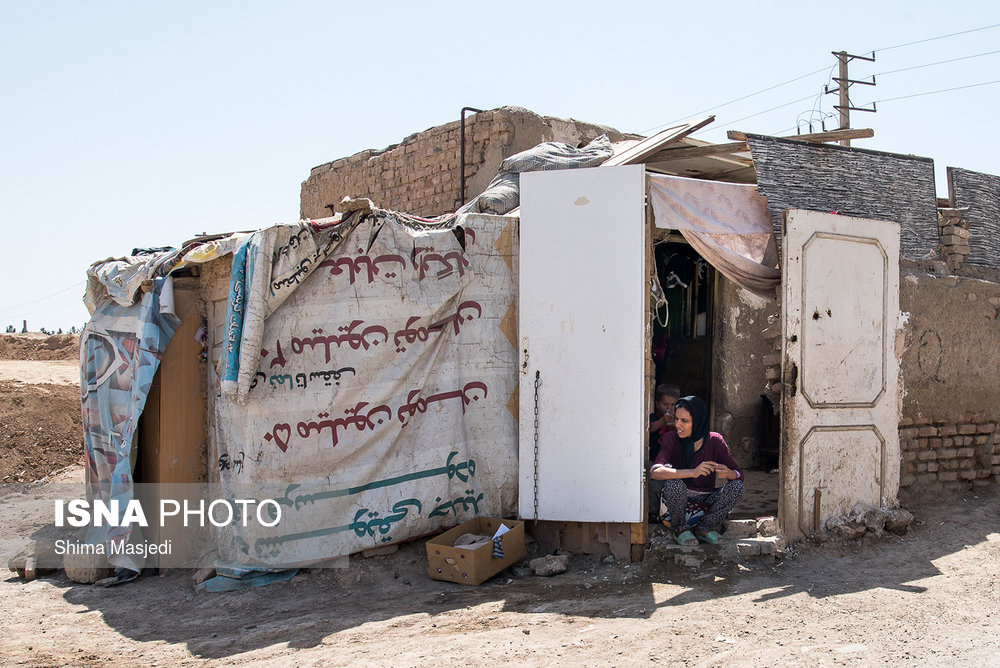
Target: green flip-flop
<point x="686" y="538"/>
<point x="712" y="537"/>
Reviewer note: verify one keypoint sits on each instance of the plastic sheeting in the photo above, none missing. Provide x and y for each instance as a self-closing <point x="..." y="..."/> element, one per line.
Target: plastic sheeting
<point x="727" y="223"/>
<point x="504" y="192"/>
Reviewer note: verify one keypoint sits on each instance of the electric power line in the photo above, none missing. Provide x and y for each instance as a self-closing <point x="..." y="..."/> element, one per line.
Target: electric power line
<point x="887" y="48"/>
<point x="934" y="92"/>
<point x="940" y="62"/>
<point x="39" y="299"/>
<point x="780" y="106"/>
<point x="733" y="101"/>
<point x="931" y="39"/>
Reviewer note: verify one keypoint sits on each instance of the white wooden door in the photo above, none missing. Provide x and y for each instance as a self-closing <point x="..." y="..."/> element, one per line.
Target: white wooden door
<point x="840" y="405"/>
<point x="583" y="298"/>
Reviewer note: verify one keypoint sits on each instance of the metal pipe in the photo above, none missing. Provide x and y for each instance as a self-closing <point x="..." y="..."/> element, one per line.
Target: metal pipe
<point x="461" y="152"/>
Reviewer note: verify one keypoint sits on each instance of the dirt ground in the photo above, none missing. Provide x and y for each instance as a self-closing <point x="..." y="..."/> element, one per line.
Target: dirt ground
<point x="930" y="596"/>
<point x="40" y="426"/>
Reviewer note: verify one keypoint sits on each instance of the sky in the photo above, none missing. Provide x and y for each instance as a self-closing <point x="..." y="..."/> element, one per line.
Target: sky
<point x="138" y="124"/>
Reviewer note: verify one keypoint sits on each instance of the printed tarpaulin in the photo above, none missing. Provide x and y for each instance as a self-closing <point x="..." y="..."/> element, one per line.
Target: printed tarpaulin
<point x="381" y="406"/>
<point x="120" y="350"/>
<point x="267" y="266"/>
<point x="727" y="223"/>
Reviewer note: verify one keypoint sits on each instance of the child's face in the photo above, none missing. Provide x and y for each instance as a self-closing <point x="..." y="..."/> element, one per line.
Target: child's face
<point x="665" y="405"/>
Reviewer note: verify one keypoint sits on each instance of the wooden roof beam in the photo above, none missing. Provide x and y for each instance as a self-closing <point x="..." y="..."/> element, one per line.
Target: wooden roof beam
<point x="816" y="137"/>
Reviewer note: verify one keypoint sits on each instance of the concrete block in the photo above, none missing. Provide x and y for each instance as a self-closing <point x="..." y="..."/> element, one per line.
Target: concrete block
<point x="771" y="544"/>
<point x="926" y="455"/>
<point x="747" y="548"/>
<point x="767" y="526"/>
<point x="967" y="428"/>
<point x="688" y="560"/>
<point x="948" y="476"/>
<point x="967" y="474"/>
<point x="927" y="431"/>
<point x="741" y="528"/>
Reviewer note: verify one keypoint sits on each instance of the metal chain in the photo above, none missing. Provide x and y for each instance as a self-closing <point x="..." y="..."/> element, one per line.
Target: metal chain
<point x="538" y="383"/>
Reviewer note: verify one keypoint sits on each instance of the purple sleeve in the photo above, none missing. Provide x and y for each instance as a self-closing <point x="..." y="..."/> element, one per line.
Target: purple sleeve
<point x="723" y="456"/>
<point x="669" y="446"/>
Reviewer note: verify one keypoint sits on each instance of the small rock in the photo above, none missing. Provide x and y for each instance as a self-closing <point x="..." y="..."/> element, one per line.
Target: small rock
<point x="610" y="559"/>
<point x="844" y="528"/>
<point x="898" y="520"/>
<point x="86" y="568"/>
<point x="522" y="571"/>
<point x="874" y="520"/>
<point x="553" y="564"/>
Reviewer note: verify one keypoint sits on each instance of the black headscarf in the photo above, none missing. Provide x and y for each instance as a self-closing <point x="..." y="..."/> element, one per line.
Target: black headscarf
<point x="699" y="426"/>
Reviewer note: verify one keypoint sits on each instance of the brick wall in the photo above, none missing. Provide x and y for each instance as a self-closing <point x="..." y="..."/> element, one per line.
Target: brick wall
<point x="941" y="451"/>
<point x="421" y="174"/>
<point x="948" y="431"/>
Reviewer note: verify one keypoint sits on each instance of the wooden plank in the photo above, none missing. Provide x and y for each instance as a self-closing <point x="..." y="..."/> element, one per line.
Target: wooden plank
<point x="546" y="534"/>
<point x="182" y="429"/>
<point x="639" y="532"/>
<point x="620" y="540"/>
<point x="685" y="152"/>
<point x="651" y="145"/>
<point x="816" y="137"/>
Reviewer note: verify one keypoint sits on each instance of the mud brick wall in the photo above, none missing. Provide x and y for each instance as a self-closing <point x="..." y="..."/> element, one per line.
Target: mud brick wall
<point x="948" y="431"/>
<point x="422" y="174"/>
<point x="938" y="451"/>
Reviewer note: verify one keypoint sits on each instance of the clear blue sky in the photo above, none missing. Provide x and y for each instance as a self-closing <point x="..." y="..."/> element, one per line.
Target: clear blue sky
<point x="130" y="124"/>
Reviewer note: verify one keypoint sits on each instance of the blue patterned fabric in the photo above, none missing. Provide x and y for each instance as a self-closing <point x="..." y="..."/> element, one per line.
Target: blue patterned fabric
<point x="120" y="350"/>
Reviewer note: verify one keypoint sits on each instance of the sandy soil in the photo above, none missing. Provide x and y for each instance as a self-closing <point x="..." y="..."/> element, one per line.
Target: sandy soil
<point x="928" y="597"/>
<point x="63" y="372"/>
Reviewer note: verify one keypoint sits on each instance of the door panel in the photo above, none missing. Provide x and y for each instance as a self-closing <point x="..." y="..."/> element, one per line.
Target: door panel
<point x="840" y="405"/>
<point x="582" y="319"/>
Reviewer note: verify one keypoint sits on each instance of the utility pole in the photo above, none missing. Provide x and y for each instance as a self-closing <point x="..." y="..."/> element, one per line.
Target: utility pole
<point x="843" y="84"/>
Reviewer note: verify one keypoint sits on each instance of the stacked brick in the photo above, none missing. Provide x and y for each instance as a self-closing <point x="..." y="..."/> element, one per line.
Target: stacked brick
<point x="420" y="175"/>
<point x="954" y="237"/>
<point x="939" y="452"/>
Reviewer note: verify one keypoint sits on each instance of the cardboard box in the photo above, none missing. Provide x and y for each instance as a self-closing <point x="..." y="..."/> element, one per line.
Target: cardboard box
<point x="457" y="564"/>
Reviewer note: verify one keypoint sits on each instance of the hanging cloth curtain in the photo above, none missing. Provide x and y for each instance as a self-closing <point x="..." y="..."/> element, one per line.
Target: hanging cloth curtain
<point x="727" y="223"/>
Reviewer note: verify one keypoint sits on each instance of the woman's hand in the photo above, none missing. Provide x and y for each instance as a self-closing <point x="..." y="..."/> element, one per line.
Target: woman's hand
<point x="705" y="468"/>
<point x="724" y="472"/>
